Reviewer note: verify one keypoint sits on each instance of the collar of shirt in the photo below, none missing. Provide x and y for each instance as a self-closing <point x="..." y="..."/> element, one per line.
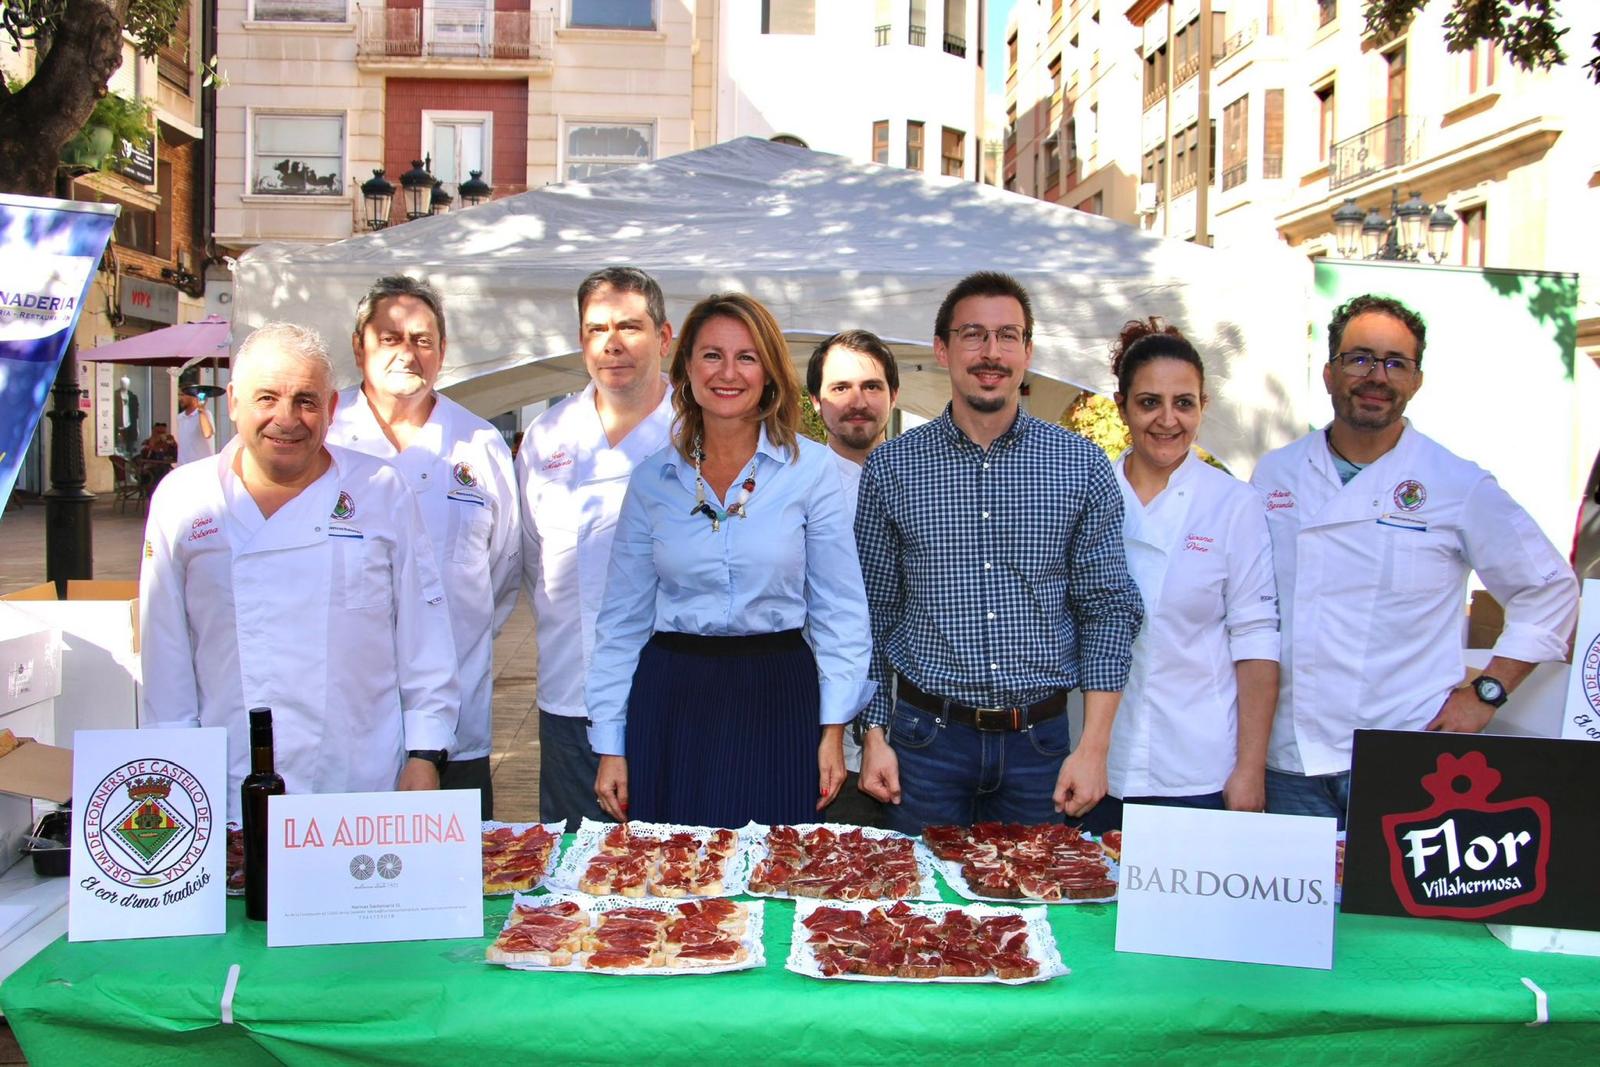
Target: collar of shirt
<point x="958" y="437"/>
<point x="684" y="471"/>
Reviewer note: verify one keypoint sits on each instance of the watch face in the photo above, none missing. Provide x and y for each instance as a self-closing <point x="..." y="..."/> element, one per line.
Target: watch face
<point x="1489" y="690"/>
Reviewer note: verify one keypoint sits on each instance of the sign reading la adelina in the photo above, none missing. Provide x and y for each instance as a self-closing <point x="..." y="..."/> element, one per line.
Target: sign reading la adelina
<point x="1473" y="827"/>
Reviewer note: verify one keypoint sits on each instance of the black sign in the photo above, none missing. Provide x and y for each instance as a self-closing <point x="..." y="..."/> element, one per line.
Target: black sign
<point x="1474" y="827"/>
<point x="137" y="162"/>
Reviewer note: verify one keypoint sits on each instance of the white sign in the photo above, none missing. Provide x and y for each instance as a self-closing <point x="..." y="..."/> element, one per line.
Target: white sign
<point x="1582" y="719"/>
<point x="105" y="429"/>
<point x="344" y="868"/>
<point x="148" y="840"/>
<point x="1227" y="885"/>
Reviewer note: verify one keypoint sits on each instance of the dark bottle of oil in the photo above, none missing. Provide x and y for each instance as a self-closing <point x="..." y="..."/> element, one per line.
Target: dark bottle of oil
<point x="261" y="783"/>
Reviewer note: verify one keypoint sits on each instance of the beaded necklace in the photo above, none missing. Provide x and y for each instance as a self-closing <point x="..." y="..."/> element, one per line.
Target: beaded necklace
<point x="702" y="507"/>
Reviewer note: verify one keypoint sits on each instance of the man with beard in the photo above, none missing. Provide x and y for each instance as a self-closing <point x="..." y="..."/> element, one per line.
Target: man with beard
<point x="854" y="384"/>
<point x="1374" y="531"/>
<point x="991" y="548"/>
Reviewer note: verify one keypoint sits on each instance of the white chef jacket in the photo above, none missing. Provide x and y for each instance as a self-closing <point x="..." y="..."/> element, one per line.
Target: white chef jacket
<point x="573" y="482"/>
<point x="330" y="613"/>
<point x="460" y="471"/>
<point x="1372" y="583"/>
<point x="1202" y="559"/>
<point x="193" y="444"/>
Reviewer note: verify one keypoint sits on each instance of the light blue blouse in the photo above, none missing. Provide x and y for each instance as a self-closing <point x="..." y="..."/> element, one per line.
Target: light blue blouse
<point x="790" y="563"/>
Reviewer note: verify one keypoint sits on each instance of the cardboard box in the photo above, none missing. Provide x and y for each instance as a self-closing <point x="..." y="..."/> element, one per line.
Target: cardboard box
<point x="99" y="627"/>
<point x="30" y="661"/>
<point x="32" y="771"/>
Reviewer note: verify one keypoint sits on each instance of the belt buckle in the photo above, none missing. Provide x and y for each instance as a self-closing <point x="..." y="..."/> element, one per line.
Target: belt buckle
<point x="997" y="720"/>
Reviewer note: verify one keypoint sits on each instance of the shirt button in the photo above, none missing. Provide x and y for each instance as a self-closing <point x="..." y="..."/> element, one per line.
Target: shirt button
<point x="994" y="666"/>
<point x="987" y="565"/>
<point x="986" y="514"/>
<point x="424" y="477"/>
<point x="991" y="616"/>
<point x="985" y="465"/>
<point x="317" y="530"/>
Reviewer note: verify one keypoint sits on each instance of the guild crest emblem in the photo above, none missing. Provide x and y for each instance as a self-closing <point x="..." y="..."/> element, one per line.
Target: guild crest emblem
<point x="1409" y="495"/>
<point x="147" y="829"/>
<point x="344" y="508"/>
<point x="463" y="475"/>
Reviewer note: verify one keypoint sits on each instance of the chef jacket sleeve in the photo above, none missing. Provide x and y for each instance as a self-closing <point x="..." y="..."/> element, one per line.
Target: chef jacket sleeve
<point x="627" y="617"/>
<point x="505" y="542"/>
<point x="836" y="605"/>
<point x="1523" y="571"/>
<point x="425" y="650"/>
<point x="169" y="694"/>
<point x="1250" y="598"/>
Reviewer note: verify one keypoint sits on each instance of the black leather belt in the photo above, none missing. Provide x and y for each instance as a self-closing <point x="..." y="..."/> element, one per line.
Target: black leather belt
<point x="992" y="719"/>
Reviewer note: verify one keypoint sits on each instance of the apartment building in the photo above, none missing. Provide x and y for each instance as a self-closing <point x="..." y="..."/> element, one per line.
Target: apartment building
<point x="889" y="81"/>
<point x="1072" y="76"/>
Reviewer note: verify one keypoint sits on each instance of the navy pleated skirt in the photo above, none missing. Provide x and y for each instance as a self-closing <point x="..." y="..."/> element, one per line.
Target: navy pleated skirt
<point x="723" y="730"/>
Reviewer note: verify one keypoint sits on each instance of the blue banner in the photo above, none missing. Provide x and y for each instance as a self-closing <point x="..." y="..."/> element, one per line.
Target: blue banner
<point x="48" y="253"/>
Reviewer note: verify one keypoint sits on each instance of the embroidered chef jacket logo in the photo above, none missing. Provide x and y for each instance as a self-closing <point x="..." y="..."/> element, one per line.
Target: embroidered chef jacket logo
<point x="1279" y="500"/>
<point x="344" y="508"/>
<point x="557" y="461"/>
<point x="204" y="526"/>
<point x="463" y="474"/>
<point x="147" y="824"/>
<point x="1409" y="495"/>
<point x="1198" y="543"/>
<point x="1464" y="856"/>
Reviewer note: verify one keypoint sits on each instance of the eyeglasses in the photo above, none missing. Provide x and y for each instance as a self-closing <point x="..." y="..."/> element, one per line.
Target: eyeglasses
<point x="1360" y="364"/>
<point x="973" y="338"/>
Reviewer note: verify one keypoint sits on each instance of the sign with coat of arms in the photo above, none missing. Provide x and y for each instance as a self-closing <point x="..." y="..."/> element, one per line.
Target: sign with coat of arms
<point x="148" y="836"/>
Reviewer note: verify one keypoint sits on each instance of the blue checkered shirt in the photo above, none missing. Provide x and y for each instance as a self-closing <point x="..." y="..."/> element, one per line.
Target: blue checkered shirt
<point x="994" y="576"/>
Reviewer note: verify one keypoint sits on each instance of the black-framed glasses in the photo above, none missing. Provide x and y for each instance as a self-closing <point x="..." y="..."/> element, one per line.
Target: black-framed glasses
<point x="973" y="337"/>
<point x="1360" y="363"/>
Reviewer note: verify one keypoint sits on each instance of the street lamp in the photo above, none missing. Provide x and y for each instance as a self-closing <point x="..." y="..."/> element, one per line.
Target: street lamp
<point x="439" y="203"/>
<point x="474" y="190"/>
<point x="418" y="185"/>
<point x="377" y="193"/>
<point x="1409" y="233"/>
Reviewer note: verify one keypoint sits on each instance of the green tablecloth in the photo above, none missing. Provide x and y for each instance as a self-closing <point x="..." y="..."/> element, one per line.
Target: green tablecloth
<point x="1400" y="990"/>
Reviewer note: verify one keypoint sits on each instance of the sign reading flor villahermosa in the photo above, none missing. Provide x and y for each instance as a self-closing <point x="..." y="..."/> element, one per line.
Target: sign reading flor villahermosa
<point x="148" y="840"/>
<point x="1227" y="885"/>
<point x="354" y="867"/>
<point x="1471" y="826"/>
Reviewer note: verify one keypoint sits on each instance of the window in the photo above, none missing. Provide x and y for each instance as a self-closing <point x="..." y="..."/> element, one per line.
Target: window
<point x="918" y="27"/>
<point x="1011" y="52"/>
<point x="596" y="147"/>
<point x="1055" y="77"/>
<point x="297" y="155"/>
<point x="1474" y="223"/>
<point x="1155" y="73"/>
<point x="913" y="146"/>
<point x="1095" y="205"/>
<point x="1480" y="67"/>
<point x="954" y="153"/>
<point x="880" y="142"/>
<point x="1326" y="10"/>
<point x="459" y="143"/>
<point x="1052" y="156"/>
<point x="1325" y="123"/>
<point x="1236" y="142"/>
<point x="1072" y="148"/>
<point x="614" y="15"/>
<point x="789" y="16"/>
<point x="955" y="28"/>
<point x="299" y="11"/>
<point x="1011" y="127"/>
<point x="172" y="58"/>
<point x="1272" y="134"/>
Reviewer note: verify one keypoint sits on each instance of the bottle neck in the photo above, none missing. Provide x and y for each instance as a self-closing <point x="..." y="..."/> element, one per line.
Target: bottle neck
<point x="261" y="758"/>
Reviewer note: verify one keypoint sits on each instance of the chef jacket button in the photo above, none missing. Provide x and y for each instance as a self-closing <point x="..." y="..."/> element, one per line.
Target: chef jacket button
<point x="424" y="477"/>
<point x="317" y="530"/>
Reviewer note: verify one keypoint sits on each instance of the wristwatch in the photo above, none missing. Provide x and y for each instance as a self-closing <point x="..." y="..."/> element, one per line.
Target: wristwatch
<point x="1492" y="691"/>
<point x="435" y="756"/>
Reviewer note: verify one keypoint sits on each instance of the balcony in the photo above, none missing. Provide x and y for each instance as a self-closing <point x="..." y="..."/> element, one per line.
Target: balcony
<point x="881" y="35"/>
<point x="956" y="45"/>
<point x="1369" y="152"/>
<point x="917" y="35"/>
<point x="464" y="41"/>
<point x="1271" y="166"/>
<point x="1236" y="42"/>
<point x="1235" y="175"/>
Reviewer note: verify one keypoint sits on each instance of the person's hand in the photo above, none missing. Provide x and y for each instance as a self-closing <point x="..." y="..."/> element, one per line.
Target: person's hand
<point x="1246" y="789"/>
<point x="1462" y="713"/>
<point x="418" y="774"/>
<point x="830" y="767"/>
<point x="1081" y="783"/>
<point x="611" y="787"/>
<point x="880" y="768"/>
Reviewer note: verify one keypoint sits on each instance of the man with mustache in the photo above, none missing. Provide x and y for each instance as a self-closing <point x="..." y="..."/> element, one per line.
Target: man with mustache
<point x="854" y="385"/>
<point x="1374" y="531"/>
<point x="290" y="574"/>
<point x="459" y="469"/>
<point x="991" y="546"/>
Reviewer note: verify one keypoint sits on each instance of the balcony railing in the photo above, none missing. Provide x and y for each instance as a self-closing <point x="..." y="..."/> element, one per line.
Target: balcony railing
<point x="1271" y="166"/>
<point x="1182" y="183"/>
<point x="956" y="45"/>
<point x="917" y="35"/>
<point x="1375" y="149"/>
<point x="453" y="34"/>
<point x="1236" y="42"/>
<point x="881" y="35"/>
<point x="1235" y="175"/>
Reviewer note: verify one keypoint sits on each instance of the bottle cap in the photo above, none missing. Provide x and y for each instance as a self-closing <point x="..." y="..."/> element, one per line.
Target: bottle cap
<point x="261" y="726"/>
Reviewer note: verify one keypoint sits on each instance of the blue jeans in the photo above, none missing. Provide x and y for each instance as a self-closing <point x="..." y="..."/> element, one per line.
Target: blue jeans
<point x="1107" y="815"/>
<point x="567" y="769"/>
<point x="953" y="774"/>
<point x="1302" y="794"/>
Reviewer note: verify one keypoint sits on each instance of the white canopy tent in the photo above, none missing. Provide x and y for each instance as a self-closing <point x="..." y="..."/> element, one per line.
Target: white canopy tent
<point x="827" y="244"/>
